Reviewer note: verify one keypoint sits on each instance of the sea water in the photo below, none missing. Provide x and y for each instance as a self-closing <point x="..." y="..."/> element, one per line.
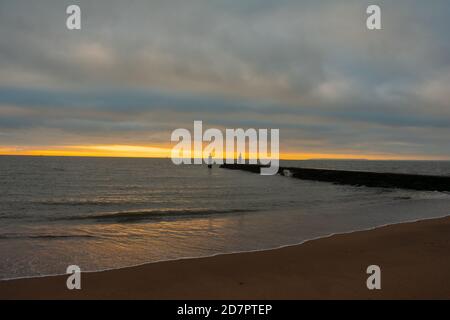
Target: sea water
<point x="104" y="213"/>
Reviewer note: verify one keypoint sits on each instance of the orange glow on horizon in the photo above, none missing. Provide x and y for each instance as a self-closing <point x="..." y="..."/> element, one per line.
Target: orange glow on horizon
<point x="91" y="151"/>
<point x="130" y="151"/>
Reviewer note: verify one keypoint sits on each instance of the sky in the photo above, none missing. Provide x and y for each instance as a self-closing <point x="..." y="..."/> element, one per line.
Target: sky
<point x="139" y="69"/>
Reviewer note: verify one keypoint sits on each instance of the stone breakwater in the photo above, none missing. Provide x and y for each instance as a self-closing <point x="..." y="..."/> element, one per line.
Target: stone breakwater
<point x="357" y="178"/>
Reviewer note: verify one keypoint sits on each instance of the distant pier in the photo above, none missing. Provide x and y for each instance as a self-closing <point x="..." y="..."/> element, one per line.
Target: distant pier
<point x="357" y="178"/>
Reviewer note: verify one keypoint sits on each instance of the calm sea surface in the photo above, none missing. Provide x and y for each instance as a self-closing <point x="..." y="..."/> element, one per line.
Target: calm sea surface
<point x="102" y="213"/>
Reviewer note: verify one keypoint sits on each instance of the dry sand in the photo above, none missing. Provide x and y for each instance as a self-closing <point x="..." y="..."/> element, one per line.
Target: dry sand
<point x="414" y="260"/>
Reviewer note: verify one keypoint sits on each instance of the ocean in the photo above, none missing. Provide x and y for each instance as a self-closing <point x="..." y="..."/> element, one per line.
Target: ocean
<point x="105" y="213"/>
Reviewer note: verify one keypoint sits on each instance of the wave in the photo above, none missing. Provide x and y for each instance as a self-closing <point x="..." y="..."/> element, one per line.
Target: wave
<point x="76" y="203"/>
<point x="422" y="195"/>
<point x="137" y="215"/>
<point x="11" y="236"/>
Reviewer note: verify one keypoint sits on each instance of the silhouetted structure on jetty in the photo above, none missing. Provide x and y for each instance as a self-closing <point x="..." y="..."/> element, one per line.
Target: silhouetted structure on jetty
<point x="358" y="178"/>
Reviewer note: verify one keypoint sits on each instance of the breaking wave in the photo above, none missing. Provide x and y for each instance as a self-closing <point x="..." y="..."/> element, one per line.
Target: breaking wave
<point x="137" y="215"/>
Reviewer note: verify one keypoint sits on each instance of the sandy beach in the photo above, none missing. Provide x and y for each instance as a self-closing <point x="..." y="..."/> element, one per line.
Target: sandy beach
<point x="414" y="260"/>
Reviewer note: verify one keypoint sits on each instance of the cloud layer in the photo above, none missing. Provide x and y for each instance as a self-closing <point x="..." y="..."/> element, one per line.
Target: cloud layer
<point x="139" y="69"/>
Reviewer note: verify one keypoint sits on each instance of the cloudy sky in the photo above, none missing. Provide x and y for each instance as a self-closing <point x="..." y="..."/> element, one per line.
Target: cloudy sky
<point x="139" y="69"/>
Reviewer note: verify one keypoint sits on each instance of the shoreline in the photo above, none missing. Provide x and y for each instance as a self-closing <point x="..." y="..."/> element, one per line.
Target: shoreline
<point x="326" y="236"/>
<point x="262" y="276"/>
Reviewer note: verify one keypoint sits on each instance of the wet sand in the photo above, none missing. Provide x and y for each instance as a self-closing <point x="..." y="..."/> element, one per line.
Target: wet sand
<point x="414" y="260"/>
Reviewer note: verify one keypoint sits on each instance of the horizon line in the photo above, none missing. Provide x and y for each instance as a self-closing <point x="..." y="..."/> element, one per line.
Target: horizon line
<point x="158" y="157"/>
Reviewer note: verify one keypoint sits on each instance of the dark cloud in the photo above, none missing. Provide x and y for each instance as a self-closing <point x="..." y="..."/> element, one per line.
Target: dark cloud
<point x="139" y="69"/>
